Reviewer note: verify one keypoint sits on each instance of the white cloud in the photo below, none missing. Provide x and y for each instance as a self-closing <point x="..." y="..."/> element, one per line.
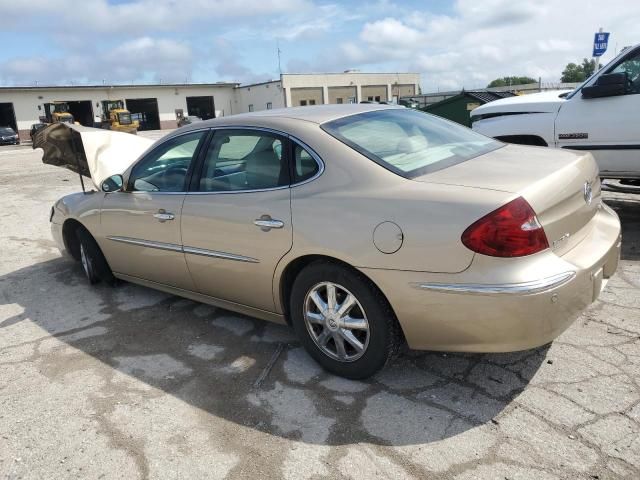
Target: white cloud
<point x="469" y="46"/>
<point x="481" y="41"/>
<point x="139" y="16"/>
<point x="159" y="59"/>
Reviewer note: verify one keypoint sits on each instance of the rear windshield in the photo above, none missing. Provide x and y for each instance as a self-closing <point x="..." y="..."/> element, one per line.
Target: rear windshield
<point x="409" y="142"/>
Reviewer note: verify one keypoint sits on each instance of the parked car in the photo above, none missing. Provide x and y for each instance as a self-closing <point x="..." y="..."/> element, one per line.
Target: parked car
<point x="8" y="136"/>
<point x="362" y="226"/>
<point x="188" y="120"/>
<point x="601" y="116"/>
<point x="35" y="128"/>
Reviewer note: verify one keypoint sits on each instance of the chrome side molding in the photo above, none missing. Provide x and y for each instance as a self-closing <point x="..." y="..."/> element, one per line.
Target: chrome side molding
<point x="523" y="288"/>
<point x="212" y="253"/>
<point x="147" y="243"/>
<point x="179" y="248"/>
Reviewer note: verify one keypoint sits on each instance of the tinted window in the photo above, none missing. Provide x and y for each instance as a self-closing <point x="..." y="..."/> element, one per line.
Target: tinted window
<point x="244" y="160"/>
<point x="304" y="166"/>
<point x="6" y="131"/>
<point x="631" y="66"/>
<point x="165" y="168"/>
<point x="408" y="142"/>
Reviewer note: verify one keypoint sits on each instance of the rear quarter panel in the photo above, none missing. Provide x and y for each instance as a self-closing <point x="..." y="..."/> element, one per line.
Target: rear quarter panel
<point x="336" y="214"/>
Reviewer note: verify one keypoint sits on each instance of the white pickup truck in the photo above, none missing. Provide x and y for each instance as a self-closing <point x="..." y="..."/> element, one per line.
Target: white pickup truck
<point x="602" y="115"/>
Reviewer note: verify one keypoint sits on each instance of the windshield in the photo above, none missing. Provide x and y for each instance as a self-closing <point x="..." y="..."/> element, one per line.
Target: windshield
<point x="6" y="131"/>
<point x="125" y="118"/>
<point x="408" y="142"/>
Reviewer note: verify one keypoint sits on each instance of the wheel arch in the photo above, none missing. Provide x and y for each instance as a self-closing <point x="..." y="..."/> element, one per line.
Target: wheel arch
<point x="295" y="266"/>
<point x="71" y="242"/>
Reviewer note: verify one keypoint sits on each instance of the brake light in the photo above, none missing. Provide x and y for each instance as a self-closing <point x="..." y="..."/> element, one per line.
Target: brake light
<point x="512" y="230"/>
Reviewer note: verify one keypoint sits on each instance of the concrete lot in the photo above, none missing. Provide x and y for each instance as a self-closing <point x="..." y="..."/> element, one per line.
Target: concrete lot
<point x="105" y="383"/>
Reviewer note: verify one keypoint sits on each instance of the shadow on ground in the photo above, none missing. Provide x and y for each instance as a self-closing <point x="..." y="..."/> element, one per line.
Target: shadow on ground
<point x="214" y="360"/>
<point x="253" y="373"/>
<point x="628" y="209"/>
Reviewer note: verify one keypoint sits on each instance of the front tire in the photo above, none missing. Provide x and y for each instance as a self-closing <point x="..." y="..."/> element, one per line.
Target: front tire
<point x="94" y="264"/>
<point x="343" y="321"/>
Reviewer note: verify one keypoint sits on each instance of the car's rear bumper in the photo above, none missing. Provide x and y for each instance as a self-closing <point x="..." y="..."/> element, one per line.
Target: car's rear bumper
<point x="500" y="305"/>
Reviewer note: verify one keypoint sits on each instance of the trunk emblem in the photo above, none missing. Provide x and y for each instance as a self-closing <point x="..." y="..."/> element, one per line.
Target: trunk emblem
<point x="588" y="193"/>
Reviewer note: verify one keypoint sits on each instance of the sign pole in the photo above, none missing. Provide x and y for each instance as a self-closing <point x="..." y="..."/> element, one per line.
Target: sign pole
<point x="597" y="59"/>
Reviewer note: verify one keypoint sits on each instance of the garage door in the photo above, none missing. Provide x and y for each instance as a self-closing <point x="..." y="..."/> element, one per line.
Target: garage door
<point x="145" y="110"/>
<point x="202" y="107"/>
<point x="82" y="112"/>
<point x="8" y="116"/>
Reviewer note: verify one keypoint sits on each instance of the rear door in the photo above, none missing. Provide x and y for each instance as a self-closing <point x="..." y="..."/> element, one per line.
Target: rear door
<point x="606" y="126"/>
<point x="141" y="226"/>
<point x="236" y="223"/>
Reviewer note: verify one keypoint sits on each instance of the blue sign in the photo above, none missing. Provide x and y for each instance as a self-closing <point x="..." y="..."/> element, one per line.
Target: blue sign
<point x="600" y="42"/>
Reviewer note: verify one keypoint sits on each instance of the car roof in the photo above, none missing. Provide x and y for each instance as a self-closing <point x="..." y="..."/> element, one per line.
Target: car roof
<point x="314" y="113"/>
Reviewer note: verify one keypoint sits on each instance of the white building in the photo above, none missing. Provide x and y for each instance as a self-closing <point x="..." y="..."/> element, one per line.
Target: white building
<point x="293" y="89"/>
<point x="159" y="106"/>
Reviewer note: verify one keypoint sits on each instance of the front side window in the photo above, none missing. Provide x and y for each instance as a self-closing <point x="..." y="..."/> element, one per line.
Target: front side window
<point x="244" y="160"/>
<point x="165" y="168"/>
<point x="408" y="142"/>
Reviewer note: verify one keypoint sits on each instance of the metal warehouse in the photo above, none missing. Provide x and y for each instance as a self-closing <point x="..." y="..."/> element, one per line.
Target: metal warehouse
<point x="160" y="106"/>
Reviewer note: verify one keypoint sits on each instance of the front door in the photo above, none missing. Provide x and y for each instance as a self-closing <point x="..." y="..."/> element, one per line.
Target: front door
<point x="236" y="225"/>
<point x="141" y="225"/>
<point x="606" y="126"/>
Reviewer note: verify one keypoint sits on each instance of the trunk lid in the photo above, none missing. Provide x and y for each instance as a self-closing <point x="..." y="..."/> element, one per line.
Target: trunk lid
<point x="556" y="183"/>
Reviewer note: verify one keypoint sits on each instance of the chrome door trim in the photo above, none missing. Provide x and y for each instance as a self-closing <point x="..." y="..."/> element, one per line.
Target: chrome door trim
<point x="523" y="288"/>
<point x="212" y="253"/>
<point x="147" y="243"/>
<point x="178" y="248"/>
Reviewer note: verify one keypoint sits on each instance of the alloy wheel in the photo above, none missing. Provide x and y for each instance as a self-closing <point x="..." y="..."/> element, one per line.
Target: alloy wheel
<point x="336" y="322"/>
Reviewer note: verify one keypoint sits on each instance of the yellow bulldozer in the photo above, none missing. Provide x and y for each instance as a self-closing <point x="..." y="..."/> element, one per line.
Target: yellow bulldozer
<point x="57" y="112"/>
<point x="116" y="117"/>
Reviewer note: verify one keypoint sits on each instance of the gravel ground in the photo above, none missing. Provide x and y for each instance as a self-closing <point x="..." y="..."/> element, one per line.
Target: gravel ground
<point x="126" y="382"/>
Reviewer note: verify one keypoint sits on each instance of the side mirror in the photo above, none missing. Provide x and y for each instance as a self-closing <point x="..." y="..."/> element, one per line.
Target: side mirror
<point x="607" y="85"/>
<point x="112" y="184"/>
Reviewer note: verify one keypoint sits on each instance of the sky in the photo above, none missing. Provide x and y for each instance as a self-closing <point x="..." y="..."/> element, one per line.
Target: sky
<point x="456" y="44"/>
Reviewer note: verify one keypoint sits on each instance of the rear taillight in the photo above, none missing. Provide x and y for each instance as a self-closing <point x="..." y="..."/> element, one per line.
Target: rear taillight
<point x="512" y="230"/>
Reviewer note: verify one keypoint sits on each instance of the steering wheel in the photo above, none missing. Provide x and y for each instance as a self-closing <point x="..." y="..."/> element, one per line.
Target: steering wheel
<point x="176" y="170"/>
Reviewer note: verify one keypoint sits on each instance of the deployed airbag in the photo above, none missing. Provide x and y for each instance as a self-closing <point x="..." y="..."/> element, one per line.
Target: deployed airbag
<point x="92" y="152"/>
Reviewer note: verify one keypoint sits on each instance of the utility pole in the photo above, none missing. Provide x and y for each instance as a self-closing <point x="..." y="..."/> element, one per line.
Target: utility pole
<point x="279" y="66"/>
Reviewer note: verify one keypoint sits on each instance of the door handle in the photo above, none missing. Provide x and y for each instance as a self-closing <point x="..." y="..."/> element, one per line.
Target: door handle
<point x="162" y="215"/>
<point x="266" y="223"/>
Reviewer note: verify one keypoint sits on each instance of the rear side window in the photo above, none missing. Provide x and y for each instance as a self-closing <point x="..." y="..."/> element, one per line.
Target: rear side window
<point x="408" y="142"/>
<point x="304" y="165"/>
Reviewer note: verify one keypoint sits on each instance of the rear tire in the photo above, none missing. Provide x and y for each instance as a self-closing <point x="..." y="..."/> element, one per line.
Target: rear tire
<point x="93" y="263"/>
<point x="343" y="321"/>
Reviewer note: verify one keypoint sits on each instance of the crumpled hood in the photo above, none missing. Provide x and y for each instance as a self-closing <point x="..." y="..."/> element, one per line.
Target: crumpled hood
<point x="543" y="102"/>
<point x="92" y="152"/>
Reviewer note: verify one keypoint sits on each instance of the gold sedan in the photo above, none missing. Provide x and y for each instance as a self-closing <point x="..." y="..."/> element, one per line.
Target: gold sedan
<point x="362" y="226"/>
